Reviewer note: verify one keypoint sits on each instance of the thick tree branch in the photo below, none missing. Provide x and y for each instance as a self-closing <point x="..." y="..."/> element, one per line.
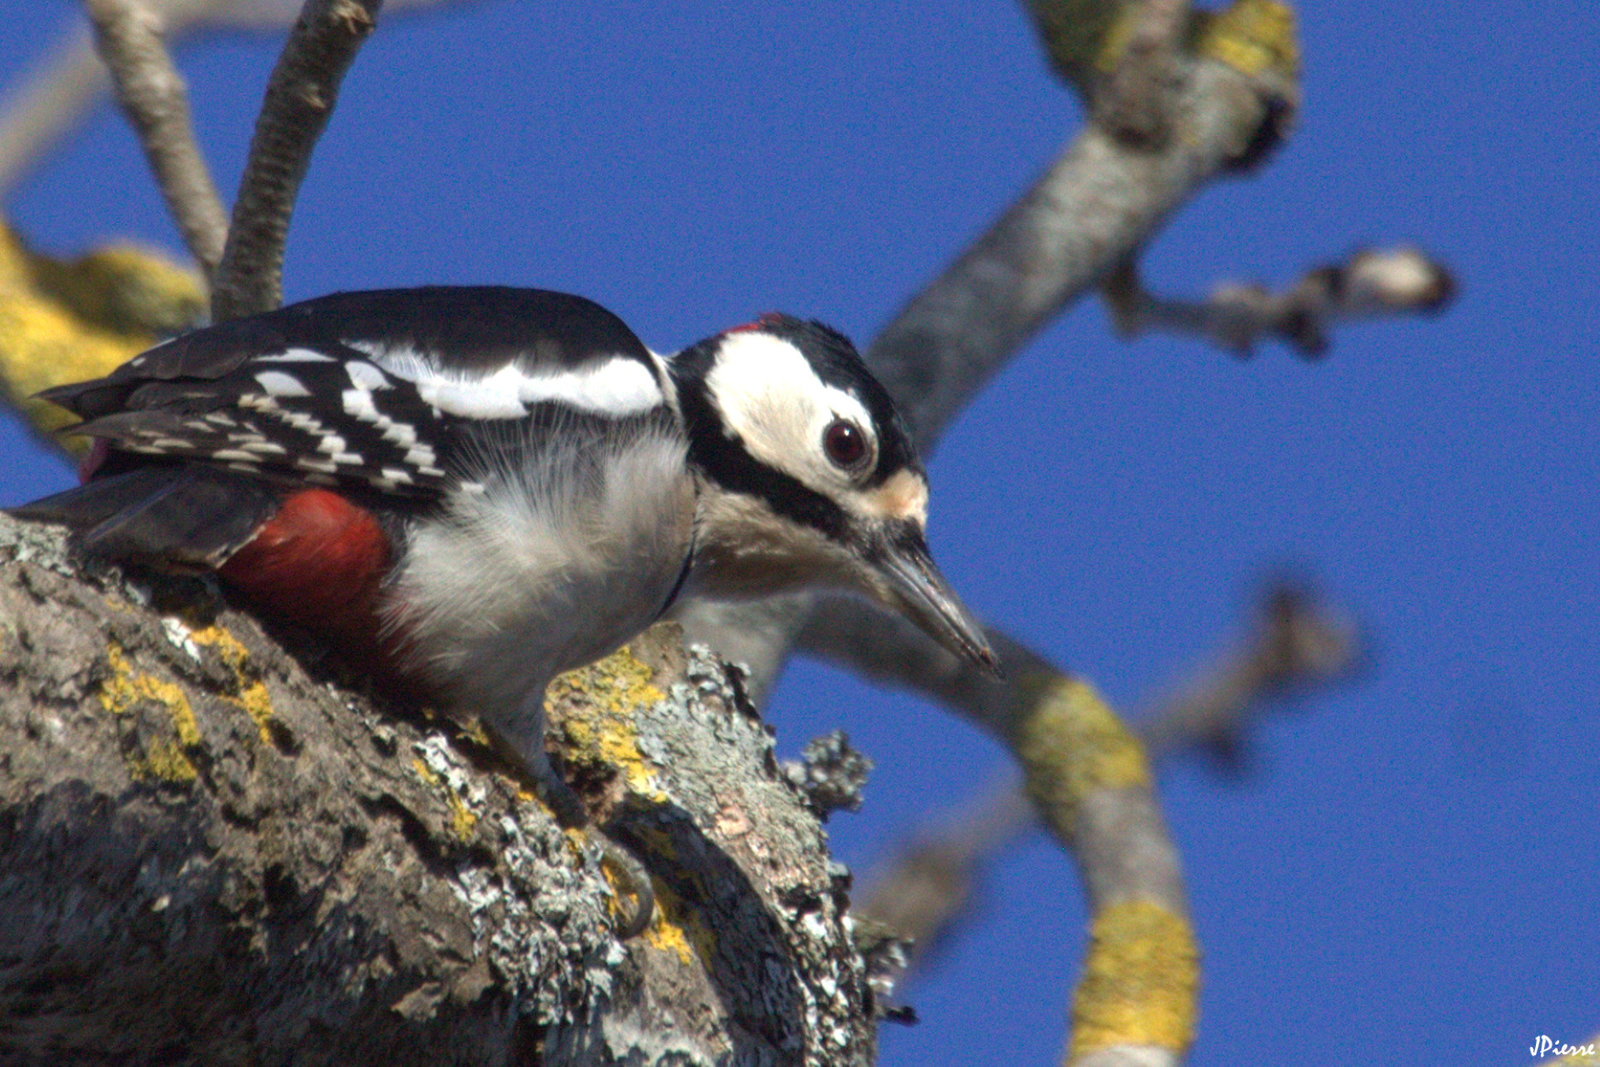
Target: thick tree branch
<point x="300" y="96"/>
<point x="152" y="94"/>
<point x="1237" y="316"/>
<point x="211" y="855"/>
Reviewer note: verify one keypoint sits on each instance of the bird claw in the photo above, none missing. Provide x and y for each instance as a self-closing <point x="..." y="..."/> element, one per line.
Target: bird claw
<point x="635" y="882"/>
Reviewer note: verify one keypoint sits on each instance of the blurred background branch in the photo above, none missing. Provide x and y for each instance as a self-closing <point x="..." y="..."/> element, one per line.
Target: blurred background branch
<point x="1237" y="316"/>
<point x="128" y="34"/>
<point x="1295" y="648"/>
<point x="69" y="79"/>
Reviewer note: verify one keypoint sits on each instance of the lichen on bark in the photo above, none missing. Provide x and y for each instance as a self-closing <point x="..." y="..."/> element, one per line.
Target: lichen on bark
<point x="212" y="851"/>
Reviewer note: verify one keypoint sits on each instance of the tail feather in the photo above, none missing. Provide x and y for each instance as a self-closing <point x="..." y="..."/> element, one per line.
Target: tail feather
<point x="176" y="517"/>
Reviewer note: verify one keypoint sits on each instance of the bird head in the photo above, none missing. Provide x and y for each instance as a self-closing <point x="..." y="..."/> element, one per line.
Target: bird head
<point x="808" y="478"/>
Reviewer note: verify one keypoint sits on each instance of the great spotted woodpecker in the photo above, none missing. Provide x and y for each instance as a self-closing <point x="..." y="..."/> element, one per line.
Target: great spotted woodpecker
<point x="471" y="490"/>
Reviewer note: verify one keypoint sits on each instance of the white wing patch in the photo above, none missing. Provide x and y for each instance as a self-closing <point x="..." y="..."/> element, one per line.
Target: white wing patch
<point x="296" y="355"/>
<point x="618" y="386"/>
<point x="277" y="383"/>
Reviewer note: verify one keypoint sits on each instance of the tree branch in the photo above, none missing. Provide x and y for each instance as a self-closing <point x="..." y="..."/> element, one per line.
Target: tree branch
<point x="1088" y="781"/>
<point x="185" y="807"/>
<point x="300" y="96"/>
<point x="1103" y="198"/>
<point x="51" y="100"/>
<point x="923" y="891"/>
<point x="151" y="92"/>
<point x="1136" y="103"/>
<point x="67" y="320"/>
<point x="1237" y="316"/>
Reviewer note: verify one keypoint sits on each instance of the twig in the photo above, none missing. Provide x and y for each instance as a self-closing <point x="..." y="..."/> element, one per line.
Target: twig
<point x="152" y="95"/>
<point x="300" y="96"/>
<point x="51" y="100"/>
<point x="58" y="93"/>
<point x="922" y="892"/>
<point x="1295" y="647"/>
<point x="1370" y="284"/>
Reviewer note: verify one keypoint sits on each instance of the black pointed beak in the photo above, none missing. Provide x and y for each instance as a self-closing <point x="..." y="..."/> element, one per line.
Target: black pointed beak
<point x="915" y="588"/>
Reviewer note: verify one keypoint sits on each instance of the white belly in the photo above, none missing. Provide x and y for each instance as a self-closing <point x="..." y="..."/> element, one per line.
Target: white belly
<point x="541" y="575"/>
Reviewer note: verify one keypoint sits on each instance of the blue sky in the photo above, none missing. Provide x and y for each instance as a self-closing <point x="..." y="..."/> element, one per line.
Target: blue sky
<point x="1409" y="872"/>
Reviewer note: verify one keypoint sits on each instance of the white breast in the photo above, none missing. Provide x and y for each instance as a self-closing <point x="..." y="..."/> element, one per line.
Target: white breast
<point x="557" y="564"/>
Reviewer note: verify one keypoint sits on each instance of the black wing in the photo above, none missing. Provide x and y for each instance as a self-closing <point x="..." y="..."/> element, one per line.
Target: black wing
<point x="368" y="389"/>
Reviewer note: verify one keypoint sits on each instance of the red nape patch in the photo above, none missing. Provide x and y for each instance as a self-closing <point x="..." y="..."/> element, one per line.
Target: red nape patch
<point x="318" y="563"/>
<point x="761" y="323"/>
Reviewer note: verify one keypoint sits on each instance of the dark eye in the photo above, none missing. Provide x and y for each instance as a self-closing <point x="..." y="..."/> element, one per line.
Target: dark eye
<point x="845" y="444"/>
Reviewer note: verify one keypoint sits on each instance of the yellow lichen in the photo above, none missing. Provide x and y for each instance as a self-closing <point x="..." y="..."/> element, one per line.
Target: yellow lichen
<point x="598" y="724"/>
<point x="124" y="690"/>
<point x="677" y="929"/>
<point x="425" y="772"/>
<point x="1141" y="981"/>
<point x="1071" y="744"/>
<point x="1084" y="38"/>
<point x="249" y="692"/>
<point x="1253" y="37"/>
<point x="462" y="818"/>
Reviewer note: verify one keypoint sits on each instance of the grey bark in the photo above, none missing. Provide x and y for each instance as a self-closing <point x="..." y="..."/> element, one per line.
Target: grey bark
<point x="184" y="882"/>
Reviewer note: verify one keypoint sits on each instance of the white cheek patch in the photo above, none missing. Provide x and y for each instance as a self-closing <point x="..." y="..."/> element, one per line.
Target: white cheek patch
<point x="772" y="399"/>
<point x="618" y="386"/>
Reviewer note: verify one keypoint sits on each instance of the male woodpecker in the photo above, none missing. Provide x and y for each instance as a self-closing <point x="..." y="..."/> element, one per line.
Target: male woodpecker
<point x="472" y="490"/>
